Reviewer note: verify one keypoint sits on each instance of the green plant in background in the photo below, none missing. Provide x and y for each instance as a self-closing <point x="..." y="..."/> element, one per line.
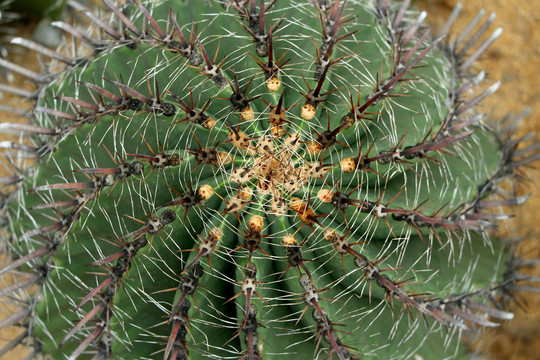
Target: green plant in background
<point x="251" y="179"/>
<point x="38" y="9"/>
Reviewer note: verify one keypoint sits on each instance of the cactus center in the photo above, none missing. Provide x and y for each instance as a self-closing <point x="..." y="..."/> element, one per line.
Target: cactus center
<point x="275" y="164"/>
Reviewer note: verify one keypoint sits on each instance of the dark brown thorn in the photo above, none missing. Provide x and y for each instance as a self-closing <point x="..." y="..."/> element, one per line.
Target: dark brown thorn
<point x="24" y="283"/>
<point x="82" y="103"/>
<point x="412" y="51"/>
<point x="26" y="129"/>
<point x="34" y="46"/>
<point x="21" y="70"/>
<point x="108" y="259"/>
<point x="56" y="204"/>
<point x="14" y="342"/>
<point x="16" y="317"/>
<point x="216" y="54"/>
<point x="193" y="35"/>
<point x="177" y="30"/>
<point x="149" y="17"/>
<point x="87" y="341"/>
<point x="76" y="33"/>
<point x="476" y="100"/>
<point x="318" y="88"/>
<point x="262" y="10"/>
<point x="123" y="18"/>
<point x="57" y="113"/>
<point x="101" y="91"/>
<point x="130" y="91"/>
<point x="83" y="321"/>
<point x="400" y="14"/>
<point x="209" y="64"/>
<point x="475" y="36"/>
<point x="10" y="180"/>
<point x="64" y="186"/>
<point x="95" y="291"/>
<point x="102" y="24"/>
<point x="411" y="31"/>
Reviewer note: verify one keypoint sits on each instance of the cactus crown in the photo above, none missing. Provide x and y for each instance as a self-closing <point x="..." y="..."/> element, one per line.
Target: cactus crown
<point x="251" y="179"/>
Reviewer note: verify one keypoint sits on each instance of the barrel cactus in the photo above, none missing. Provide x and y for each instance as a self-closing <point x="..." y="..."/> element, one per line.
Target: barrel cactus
<point x="243" y="179"/>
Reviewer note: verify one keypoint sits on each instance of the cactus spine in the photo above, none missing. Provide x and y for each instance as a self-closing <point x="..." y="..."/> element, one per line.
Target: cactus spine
<point x="251" y="179"/>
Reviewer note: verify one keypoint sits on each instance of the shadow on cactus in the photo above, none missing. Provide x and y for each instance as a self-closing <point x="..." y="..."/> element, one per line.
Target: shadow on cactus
<point x="251" y="179"/>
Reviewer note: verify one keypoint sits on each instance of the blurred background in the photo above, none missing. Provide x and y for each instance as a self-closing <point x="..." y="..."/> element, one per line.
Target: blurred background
<point x="514" y="59"/>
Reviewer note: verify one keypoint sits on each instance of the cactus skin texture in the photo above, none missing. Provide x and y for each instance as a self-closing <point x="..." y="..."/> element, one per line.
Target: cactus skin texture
<point x="251" y="179"/>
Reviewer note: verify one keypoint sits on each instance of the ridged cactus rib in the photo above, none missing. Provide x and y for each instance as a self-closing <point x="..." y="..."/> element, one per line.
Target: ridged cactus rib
<point x="252" y="180"/>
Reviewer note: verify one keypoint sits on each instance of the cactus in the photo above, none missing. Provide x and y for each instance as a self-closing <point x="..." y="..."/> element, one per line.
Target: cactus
<point x="248" y="179"/>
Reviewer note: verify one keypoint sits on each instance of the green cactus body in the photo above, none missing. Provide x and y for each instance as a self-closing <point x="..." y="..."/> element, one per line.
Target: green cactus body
<point x="408" y="177"/>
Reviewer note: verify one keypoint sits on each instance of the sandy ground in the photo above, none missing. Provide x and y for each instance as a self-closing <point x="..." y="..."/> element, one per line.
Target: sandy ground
<point x="514" y="59"/>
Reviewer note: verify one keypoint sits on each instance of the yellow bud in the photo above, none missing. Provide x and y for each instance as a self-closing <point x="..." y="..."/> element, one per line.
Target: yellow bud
<point x="245" y="194"/>
<point x="348" y="164"/>
<point x="256" y="223"/>
<point x="277" y="131"/>
<point x="347" y="121"/>
<point x="215" y="234"/>
<point x="308" y="111"/>
<point x="325" y="195"/>
<point x="289" y="240"/>
<point x="279" y="206"/>
<point x="330" y="235"/>
<point x="313" y="148"/>
<point x="205" y="192"/>
<point x="247" y="113"/>
<point x="265" y="146"/>
<point x="273" y="84"/>
<point x="296" y="203"/>
<point x="225" y="158"/>
<point x="209" y="123"/>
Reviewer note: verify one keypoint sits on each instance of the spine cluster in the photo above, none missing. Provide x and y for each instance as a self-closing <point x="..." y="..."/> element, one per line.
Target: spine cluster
<point x="334" y="137"/>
